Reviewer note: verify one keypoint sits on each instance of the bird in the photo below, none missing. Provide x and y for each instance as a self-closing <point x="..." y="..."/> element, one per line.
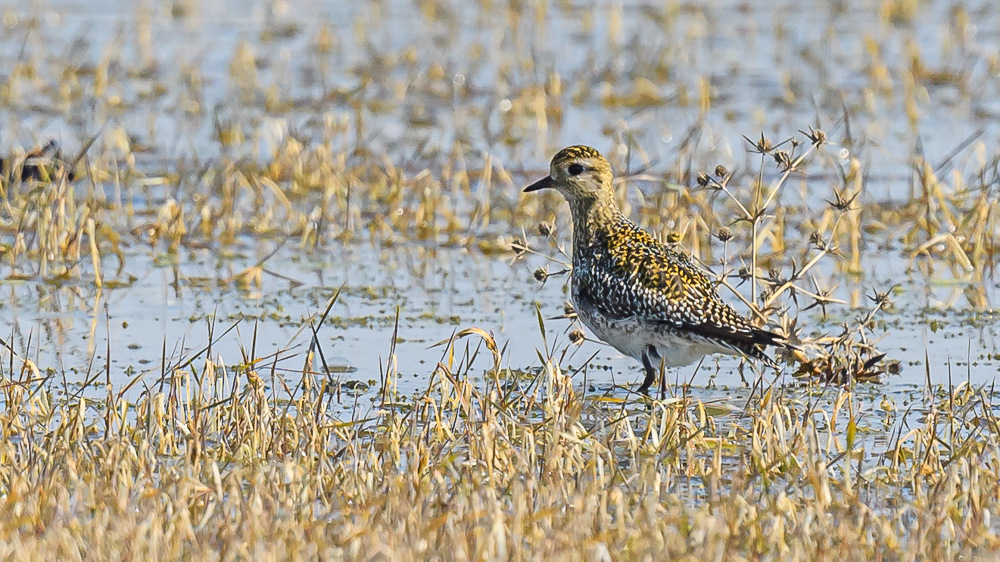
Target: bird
<point x="644" y="298"/>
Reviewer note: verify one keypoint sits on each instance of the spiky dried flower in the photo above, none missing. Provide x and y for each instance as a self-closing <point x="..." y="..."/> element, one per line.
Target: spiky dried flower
<point x="518" y="246"/>
<point x="761" y="146"/>
<point x="816" y="136"/>
<point x="783" y="158"/>
<point x="816" y="239"/>
<point x="841" y="202"/>
<point x="881" y="299"/>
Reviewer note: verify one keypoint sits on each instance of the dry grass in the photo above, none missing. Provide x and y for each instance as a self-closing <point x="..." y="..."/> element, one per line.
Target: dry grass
<point x="216" y="465"/>
<point x="309" y="138"/>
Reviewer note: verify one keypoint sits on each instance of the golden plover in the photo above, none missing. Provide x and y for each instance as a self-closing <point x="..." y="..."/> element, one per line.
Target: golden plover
<point x="645" y="299"/>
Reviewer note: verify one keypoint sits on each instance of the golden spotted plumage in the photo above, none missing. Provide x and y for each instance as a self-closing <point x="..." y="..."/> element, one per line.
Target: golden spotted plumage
<point x="643" y="297"/>
<point x="574" y="152"/>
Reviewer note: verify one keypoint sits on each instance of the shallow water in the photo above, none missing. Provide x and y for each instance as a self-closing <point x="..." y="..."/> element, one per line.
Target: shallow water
<point x="773" y="68"/>
<point x="635" y="73"/>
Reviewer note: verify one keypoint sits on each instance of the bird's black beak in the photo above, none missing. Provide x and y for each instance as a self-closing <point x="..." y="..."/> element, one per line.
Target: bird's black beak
<point x="540" y="184"/>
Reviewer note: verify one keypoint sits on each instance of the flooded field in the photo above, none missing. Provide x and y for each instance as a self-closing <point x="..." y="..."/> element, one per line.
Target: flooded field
<point x="285" y="244"/>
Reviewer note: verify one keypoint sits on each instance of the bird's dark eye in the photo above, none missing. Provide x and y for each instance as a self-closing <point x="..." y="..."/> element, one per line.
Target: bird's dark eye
<point x="575" y="169"/>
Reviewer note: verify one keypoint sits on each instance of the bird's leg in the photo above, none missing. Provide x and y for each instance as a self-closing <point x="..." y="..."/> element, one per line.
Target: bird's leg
<point x="650" y="371"/>
<point x="663" y="381"/>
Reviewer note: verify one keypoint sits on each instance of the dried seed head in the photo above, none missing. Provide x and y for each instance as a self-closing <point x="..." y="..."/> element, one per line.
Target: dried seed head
<point x="816" y="239"/>
<point x="518" y="246"/>
<point x="720" y="171"/>
<point x="541" y="274"/>
<point x="783" y="158"/>
<point x="744" y="273"/>
<point x="841" y="202"/>
<point x="546" y="229"/>
<point x="881" y="300"/>
<point x="893" y="368"/>
<point x="577" y="336"/>
<point x="703" y="179"/>
<point x="725" y="234"/>
<point x="816" y="136"/>
<point x="569" y="310"/>
<point x="763" y="145"/>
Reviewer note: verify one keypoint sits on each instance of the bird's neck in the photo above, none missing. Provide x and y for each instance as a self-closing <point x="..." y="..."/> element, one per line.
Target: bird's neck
<point x="592" y="217"/>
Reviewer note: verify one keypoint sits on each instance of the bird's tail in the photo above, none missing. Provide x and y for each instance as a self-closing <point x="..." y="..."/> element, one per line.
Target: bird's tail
<point x="762" y="339"/>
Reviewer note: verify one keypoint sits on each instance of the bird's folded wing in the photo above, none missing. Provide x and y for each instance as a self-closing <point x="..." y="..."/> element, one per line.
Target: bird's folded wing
<point x="683" y="297"/>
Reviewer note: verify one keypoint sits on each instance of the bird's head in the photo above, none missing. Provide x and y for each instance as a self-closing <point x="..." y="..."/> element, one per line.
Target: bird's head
<point x="580" y="173"/>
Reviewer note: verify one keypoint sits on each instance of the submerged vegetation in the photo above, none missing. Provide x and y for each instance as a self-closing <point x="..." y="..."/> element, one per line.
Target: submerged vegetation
<point x="228" y="275"/>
